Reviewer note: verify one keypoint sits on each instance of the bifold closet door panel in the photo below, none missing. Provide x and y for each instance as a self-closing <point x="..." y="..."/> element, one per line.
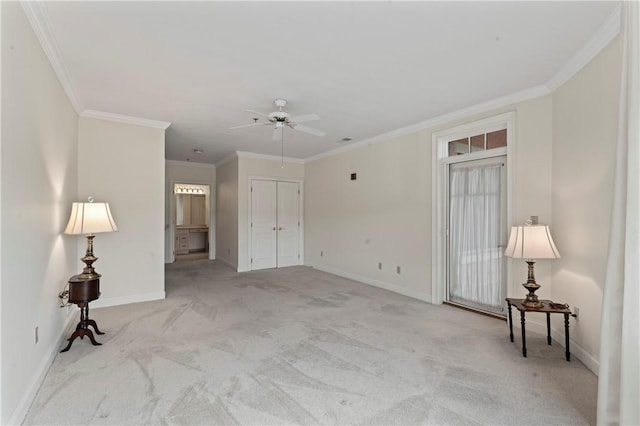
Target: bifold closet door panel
<point x="264" y="232"/>
<point x="288" y="223"/>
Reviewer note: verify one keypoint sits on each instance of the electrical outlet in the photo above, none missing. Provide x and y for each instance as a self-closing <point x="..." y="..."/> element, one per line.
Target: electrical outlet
<point x="397" y="269"/>
<point x="36" y="334"/>
<point x="380" y="265"/>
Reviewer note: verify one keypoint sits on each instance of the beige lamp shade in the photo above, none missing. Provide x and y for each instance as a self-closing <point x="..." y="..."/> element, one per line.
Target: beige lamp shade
<point x="90" y="218"/>
<point x="531" y="242"/>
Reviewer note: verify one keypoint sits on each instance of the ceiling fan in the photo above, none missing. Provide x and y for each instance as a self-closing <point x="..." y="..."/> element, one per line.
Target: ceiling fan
<point x="279" y="119"/>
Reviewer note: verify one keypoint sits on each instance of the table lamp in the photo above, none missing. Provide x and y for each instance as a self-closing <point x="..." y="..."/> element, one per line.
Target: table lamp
<point x="530" y="242"/>
<point x="89" y="219"/>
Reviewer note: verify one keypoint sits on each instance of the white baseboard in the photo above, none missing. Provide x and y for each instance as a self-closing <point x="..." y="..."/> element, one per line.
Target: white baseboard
<point x="19" y="414"/>
<point x="557" y="336"/>
<point x="228" y="263"/>
<point x="125" y="300"/>
<point x="532" y="325"/>
<point x="370" y="281"/>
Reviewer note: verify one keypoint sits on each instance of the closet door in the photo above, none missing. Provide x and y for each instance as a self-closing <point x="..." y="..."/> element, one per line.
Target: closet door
<point x="275" y="224"/>
<point x="264" y="232"/>
<point x="288" y="223"/>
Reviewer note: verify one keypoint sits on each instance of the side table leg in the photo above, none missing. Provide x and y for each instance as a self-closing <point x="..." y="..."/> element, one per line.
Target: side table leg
<point x="70" y="339"/>
<point x="566" y="336"/>
<point x="92" y="323"/>
<point x="524" y="336"/>
<point x="549" y="328"/>
<point x="510" y="321"/>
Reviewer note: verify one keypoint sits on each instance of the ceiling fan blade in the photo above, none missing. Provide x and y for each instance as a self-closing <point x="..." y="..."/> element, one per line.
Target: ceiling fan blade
<point x="310" y="130"/>
<point x="277" y="134"/>
<point x="248" y="125"/>
<point x="305" y="117"/>
<point x="256" y="112"/>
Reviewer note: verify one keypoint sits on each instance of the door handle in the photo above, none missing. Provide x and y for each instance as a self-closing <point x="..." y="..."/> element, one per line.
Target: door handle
<point x="274" y="228"/>
<point x="280" y="228"/>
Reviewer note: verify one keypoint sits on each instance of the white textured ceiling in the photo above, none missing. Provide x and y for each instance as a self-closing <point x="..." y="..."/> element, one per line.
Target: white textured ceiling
<point x="364" y="68"/>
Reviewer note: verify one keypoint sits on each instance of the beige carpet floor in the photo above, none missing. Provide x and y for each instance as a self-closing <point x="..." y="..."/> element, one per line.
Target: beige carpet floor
<point x="299" y="346"/>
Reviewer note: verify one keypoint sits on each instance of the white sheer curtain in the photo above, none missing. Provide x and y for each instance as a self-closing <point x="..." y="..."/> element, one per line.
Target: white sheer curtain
<point x="619" y="375"/>
<point x="475" y="258"/>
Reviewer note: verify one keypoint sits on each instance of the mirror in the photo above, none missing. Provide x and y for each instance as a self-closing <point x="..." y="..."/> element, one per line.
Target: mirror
<point x="192" y="209"/>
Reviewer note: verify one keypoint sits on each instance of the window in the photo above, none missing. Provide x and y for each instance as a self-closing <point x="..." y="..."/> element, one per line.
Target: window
<point x="481" y="142"/>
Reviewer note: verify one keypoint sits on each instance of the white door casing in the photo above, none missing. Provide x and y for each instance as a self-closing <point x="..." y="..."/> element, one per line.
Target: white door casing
<point x="440" y="161"/>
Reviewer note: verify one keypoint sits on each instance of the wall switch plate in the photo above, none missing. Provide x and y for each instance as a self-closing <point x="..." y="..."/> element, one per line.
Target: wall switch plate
<point x="380" y="265"/>
<point x="36" y="334"/>
<point x="576" y="312"/>
<point x="321" y="253"/>
<point x="397" y="269"/>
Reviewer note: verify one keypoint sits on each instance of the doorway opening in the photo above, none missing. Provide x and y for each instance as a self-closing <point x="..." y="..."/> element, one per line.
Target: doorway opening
<point x="472" y="185"/>
<point x="476" y="232"/>
<point x="192" y="213"/>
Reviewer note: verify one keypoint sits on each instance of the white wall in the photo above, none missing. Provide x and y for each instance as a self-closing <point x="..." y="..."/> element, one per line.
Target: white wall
<point x="250" y="166"/>
<point x="585" y="118"/>
<point x="563" y="173"/>
<point x="188" y="172"/>
<point x="39" y="183"/>
<point x="123" y="164"/>
<point x="385" y="215"/>
<point x="227" y="212"/>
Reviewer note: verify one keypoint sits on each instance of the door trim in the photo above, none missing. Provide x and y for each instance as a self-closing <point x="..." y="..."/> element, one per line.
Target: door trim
<point x="439" y="187"/>
<point x="300" y="183"/>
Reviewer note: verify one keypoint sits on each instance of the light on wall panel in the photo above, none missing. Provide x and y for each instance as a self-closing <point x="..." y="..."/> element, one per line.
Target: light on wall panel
<point x="185" y="189"/>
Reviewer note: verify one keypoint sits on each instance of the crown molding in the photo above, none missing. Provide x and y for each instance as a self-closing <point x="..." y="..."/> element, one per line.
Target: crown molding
<point x="41" y="25"/>
<point x="226" y="159"/>
<point x="244" y="154"/>
<point x="524" y="95"/>
<point x="126" y="119"/>
<point x="189" y="164"/>
<point x="605" y="34"/>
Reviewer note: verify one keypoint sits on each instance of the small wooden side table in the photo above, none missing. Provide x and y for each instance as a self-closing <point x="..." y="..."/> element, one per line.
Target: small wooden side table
<point x="82" y="290"/>
<point x="548" y="308"/>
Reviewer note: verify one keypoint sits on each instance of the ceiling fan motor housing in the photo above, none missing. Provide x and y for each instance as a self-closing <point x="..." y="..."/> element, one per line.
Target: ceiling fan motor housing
<point x="279" y="117"/>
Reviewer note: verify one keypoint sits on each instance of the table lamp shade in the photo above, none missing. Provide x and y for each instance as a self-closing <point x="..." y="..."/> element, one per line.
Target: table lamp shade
<point x="90" y="218"/>
<point x="531" y="242"/>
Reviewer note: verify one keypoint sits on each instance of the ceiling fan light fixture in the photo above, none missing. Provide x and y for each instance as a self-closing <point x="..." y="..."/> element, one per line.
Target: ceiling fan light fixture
<point x="198" y="151"/>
